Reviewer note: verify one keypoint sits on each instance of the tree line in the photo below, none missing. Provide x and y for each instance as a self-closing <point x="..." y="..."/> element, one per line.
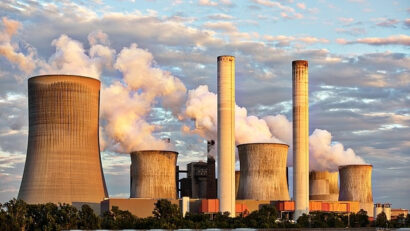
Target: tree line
<point x="18" y="215"/>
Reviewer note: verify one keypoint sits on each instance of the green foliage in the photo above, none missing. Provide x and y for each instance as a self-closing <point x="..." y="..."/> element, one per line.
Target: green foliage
<point x="87" y="218"/>
<point x="262" y="218"/>
<point x="359" y="219"/>
<point x="381" y="220"/>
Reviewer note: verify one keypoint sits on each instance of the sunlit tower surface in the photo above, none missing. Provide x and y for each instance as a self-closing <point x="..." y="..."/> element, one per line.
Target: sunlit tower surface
<point x="226" y="134"/>
<point x="63" y="161"/>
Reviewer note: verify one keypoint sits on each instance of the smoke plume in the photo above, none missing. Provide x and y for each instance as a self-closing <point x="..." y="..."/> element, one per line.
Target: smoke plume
<point x="11" y="51"/>
<point x="325" y="155"/>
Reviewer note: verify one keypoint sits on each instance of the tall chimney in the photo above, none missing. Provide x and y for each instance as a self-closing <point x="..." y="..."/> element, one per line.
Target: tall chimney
<point x="226" y="134"/>
<point x="300" y="137"/>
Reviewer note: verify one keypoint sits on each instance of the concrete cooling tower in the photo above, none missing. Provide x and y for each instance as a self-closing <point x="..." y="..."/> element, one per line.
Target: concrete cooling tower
<point x="263" y="171"/>
<point x="63" y="161"/>
<point x="356" y="185"/>
<point x="153" y="174"/>
<point x="323" y="185"/>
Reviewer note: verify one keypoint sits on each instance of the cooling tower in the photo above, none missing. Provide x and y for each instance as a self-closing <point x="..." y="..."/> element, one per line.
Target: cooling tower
<point x="63" y="161"/>
<point x="300" y="137"/>
<point x="153" y="174"/>
<point x="226" y="134"/>
<point x="356" y="185"/>
<point x="323" y="185"/>
<point x="263" y="171"/>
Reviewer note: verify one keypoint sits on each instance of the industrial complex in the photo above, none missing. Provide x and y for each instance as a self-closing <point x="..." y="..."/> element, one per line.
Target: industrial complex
<point x="63" y="163"/>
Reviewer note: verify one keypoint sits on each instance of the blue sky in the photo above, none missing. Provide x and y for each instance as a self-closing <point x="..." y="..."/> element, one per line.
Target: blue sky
<point x="358" y="53"/>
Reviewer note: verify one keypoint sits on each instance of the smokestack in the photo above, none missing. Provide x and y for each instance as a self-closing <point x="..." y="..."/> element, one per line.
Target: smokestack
<point x="63" y="163"/>
<point x="153" y="174"/>
<point x="263" y="171"/>
<point x="323" y="185"/>
<point x="356" y="185"/>
<point x="210" y="146"/>
<point x="300" y="137"/>
<point x="226" y="134"/>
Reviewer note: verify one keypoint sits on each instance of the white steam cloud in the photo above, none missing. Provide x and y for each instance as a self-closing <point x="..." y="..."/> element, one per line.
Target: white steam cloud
<point x="11" y="51"/>
<point x="201" y="107"/>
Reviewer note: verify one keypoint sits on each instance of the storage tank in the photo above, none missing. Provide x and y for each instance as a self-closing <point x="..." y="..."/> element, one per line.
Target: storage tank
<point x="263" y="171"/>
<point x="323" y="185"/>
<point x="356" y="185"/>
<point x="153" y="174"/>
<point x="63" y="163"/>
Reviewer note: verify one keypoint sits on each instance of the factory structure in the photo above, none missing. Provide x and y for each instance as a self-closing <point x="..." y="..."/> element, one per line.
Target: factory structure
<point x="63" y="163"/>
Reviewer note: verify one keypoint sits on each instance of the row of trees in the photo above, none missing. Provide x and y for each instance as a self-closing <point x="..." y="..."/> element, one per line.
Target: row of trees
<point x="17" y="215"/>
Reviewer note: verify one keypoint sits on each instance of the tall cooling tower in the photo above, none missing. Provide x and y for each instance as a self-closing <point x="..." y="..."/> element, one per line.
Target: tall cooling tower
<point x="226" y="134"/>
<point x="356" y="185"/>
<point x="323" y="185"/>
<point x="300" y="137"/>
<point x="263" y="171"/>
<point x="153" y="174"/>
<point x="63" y="161"/>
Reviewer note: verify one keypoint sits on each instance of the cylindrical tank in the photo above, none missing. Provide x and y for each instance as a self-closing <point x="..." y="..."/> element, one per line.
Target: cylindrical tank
<point x="323" y="185"/>
<point x="226" y="134"/>
<point x="153" y="174"/>
<point x="263" y="171"/>
<point x="300" y="97"/>
<point x="356" y="185"/>
<point x="63" y="161"/>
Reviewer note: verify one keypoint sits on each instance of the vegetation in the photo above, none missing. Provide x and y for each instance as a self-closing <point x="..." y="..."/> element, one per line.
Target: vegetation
<point x="17" y="215"/>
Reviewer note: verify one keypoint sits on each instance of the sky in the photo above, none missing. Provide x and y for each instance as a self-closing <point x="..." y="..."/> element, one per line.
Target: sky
<point x="157" y="64"/>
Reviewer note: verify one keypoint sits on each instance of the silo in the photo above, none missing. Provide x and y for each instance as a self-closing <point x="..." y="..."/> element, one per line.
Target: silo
<point x="226" y="134"/>
<point x="263" y="171"/>
<point x="63" y="161"/>
<point x="153" y="174"/>
<point x="323" y="185"/>
<point x="356" y="185"/>
<point x="300" y="98"/>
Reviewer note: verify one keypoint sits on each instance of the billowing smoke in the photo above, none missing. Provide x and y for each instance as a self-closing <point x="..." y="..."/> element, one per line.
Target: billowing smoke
<point x="126" y="103"/>
<point x="12" y="51"/>
<point x="325" y="155"/>
<point x="201" y="107"/>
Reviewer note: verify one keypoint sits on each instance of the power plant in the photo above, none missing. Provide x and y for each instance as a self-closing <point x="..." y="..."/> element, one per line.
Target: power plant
<point x="323" y="185"/>
<point x="356" y="185"/>
<point x="300" y="98"/>
<point x="263" y="172"/>
<point x="226" y="134"/>
<point x="63" y="163"/>
<point x="153" y="174"/>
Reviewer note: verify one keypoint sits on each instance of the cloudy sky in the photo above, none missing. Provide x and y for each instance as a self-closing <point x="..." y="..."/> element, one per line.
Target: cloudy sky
<point x="158" y="59"/>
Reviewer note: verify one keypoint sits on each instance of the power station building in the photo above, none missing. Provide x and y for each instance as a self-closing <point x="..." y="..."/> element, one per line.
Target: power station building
<point x="63" y="163"/>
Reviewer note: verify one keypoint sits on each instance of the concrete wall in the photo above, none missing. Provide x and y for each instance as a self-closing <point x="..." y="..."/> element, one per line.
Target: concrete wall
<point x="263" y="171"/>
<point x="323" y="185"/>
<point x="226" y="134"/>
<point x="153" y="174"/>
<point x="356" y="185"/>
<point x="300" y="98"/>
<point x="63" y="161"/>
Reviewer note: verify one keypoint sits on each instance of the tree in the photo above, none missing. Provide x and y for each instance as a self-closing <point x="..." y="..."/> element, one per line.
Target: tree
<point x="16" y="213"/>
<point x="262" y="218"/>
<point x="408" y="220"/>
<point x="381" y="220"/>
<point x="67" y="216"/>
<point x="87" y="218"/>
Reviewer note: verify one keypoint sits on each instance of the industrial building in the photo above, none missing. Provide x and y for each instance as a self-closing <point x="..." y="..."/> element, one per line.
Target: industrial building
<point x="385" y="208"/>
<point x="63" y="159"/>
<point x="63" y="163"/>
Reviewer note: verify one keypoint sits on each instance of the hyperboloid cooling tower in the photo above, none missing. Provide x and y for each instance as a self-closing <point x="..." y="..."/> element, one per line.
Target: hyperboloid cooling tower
<point x="300" y="137"/>
<point x="63" y="161"/>
<point x="356" y="185"/>
<point x="263" y="171"/>
<point x="323" y="185"/>
<point x="226" y="134"/>
<point x="153" y="174"/>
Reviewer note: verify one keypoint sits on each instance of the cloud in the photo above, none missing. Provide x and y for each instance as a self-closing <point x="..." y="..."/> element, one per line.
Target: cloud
<point x="207" y="3"/>
<point x="346" y="20"/>
<point x="220" y="17"/>
<point x="407" y="22"/>
<point x="11" y="51"/>
<point x="283" y="40"/>
<point x="351" y="31"/>
<point x="403" y="40"/>
<point x="301" y="5"/>
<point x="386" y="22"/>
